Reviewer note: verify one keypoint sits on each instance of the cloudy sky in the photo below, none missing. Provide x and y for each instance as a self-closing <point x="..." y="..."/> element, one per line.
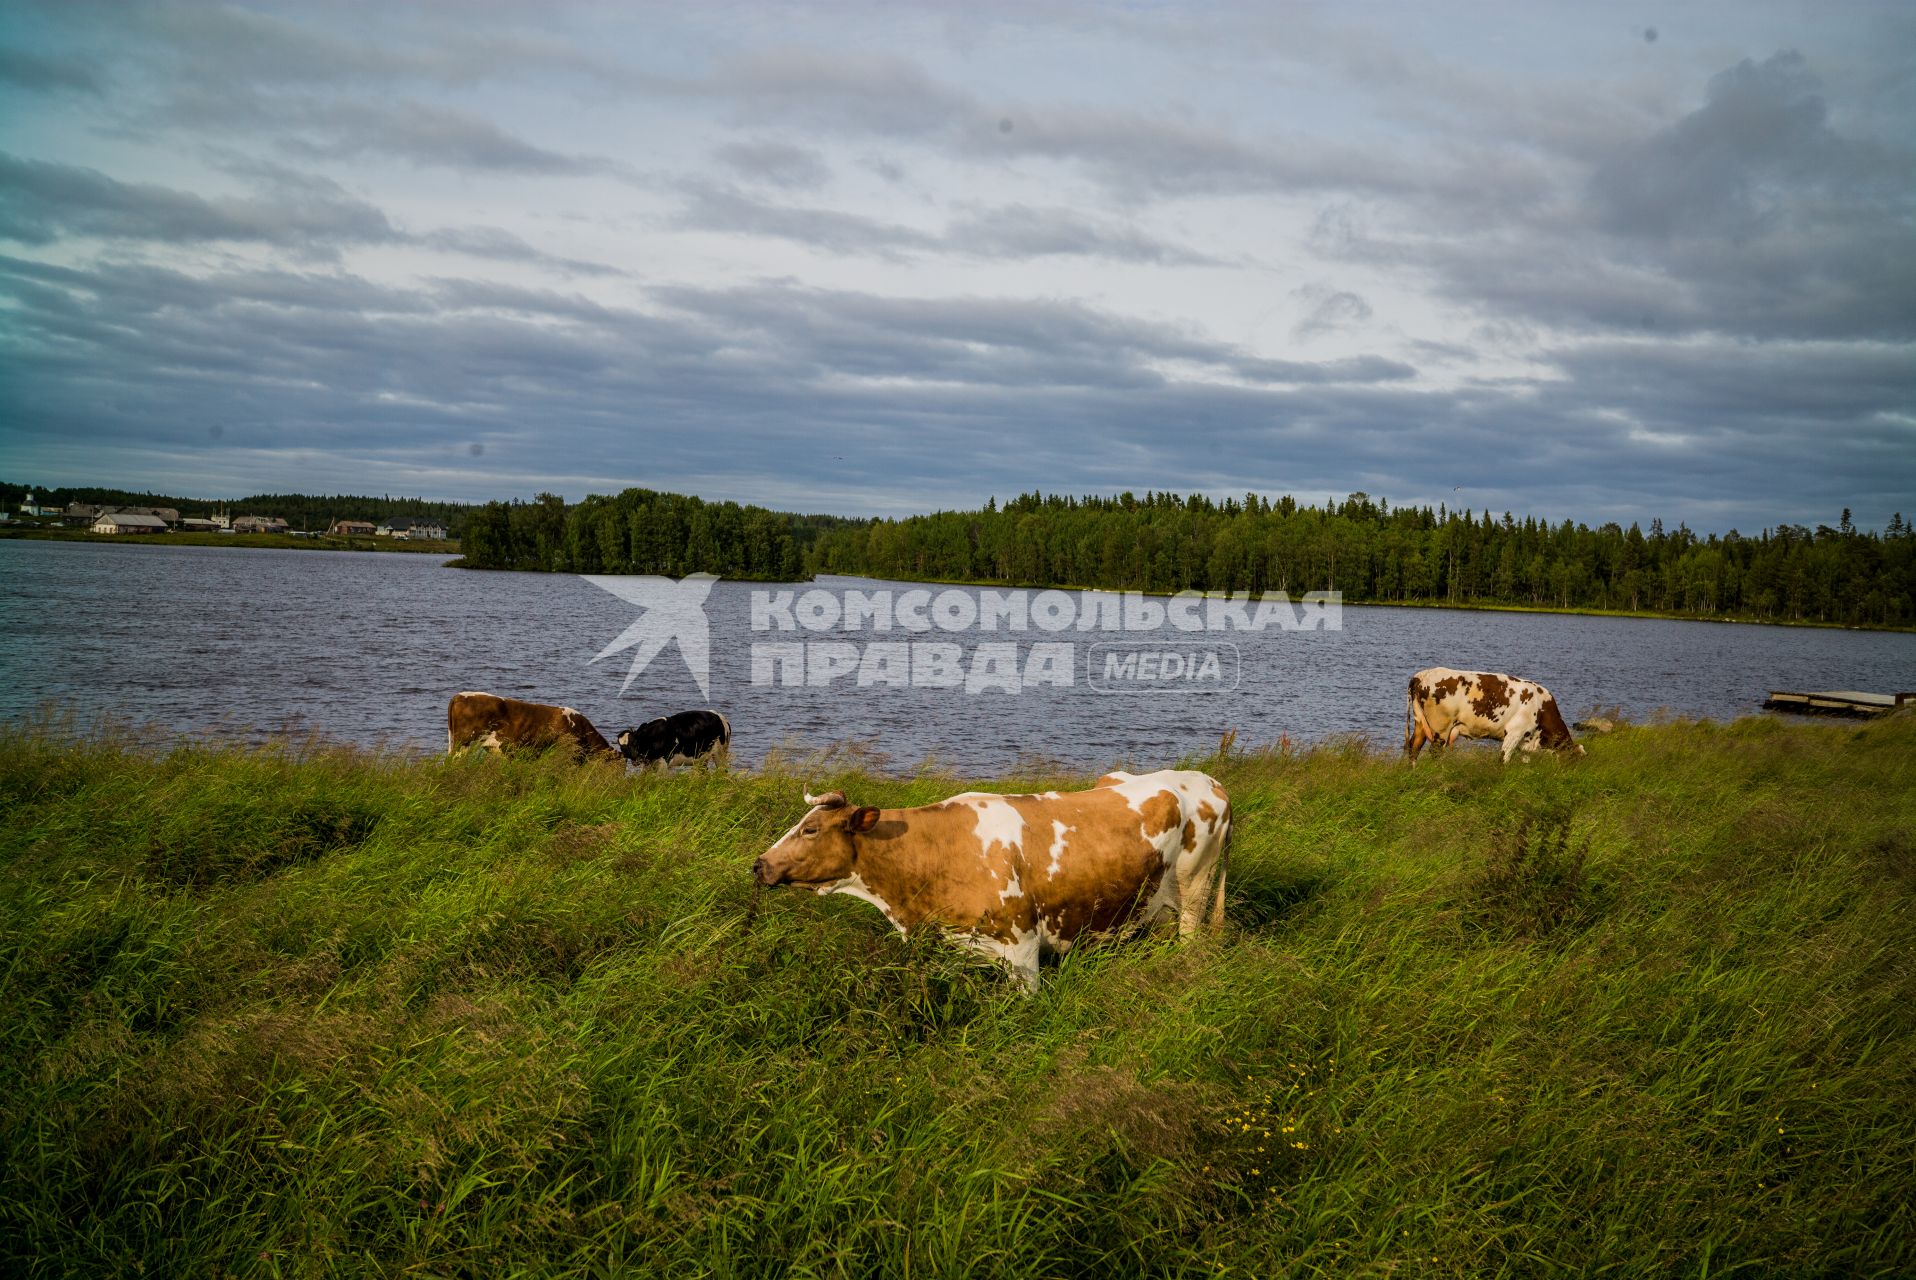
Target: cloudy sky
<point x="1594" y="261"/>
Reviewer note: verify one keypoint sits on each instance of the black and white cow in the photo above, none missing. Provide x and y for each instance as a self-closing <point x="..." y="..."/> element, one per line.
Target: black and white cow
<point x="679" y="739"/>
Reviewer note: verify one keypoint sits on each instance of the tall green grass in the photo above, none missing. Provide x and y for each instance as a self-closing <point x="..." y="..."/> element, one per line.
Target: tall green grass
<point x="310" y="1011"/>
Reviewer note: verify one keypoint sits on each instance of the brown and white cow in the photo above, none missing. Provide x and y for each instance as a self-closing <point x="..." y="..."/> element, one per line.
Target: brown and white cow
<point x="1445" y="705"/>
<point x="1013" y="876"/>
<point x="495" y="723"/>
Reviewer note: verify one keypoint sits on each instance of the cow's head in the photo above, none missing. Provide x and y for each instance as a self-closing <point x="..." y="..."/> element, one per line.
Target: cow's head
<point x="1552" y="733"/>
<point x="822" y="848"/>
<point x="647" y="742"/>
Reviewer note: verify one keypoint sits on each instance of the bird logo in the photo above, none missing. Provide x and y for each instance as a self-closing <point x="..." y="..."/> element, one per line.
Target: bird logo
<point x="673" y="611"/>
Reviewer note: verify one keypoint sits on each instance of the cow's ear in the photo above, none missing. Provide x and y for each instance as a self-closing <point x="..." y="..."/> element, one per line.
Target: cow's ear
<point x="863" y="819"/>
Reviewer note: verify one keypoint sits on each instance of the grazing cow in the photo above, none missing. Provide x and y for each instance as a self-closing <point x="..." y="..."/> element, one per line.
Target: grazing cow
<point x="1011" y="876"/>
<point x="1445" y="705"/>
<point x="679" y="739"/>
<point x="487" y="720"/>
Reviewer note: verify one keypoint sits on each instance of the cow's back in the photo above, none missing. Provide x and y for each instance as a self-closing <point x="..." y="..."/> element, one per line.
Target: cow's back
<point x="1067" y="864"/>
<point x="1478" y="702"/>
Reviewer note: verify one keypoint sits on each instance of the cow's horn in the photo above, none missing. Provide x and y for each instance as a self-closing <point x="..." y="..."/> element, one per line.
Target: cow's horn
<point x="830" y="800"/>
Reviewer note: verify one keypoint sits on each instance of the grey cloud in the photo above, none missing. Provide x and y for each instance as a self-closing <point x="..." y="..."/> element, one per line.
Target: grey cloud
<point x="1331" y="311"/>
<point x="993" y="342"/>
<point x="1355" y="369"/>
<point x="312" y="127"/>
<point x="861" y="93"/>
<point x="1019" y="231"/>
<point x="712" y="207"/>
<point x="26" y="70"/>
<point x="779" y="163"/>
<point x="459" y="294"/>
<point x="502" y="246"/>
<point x="391" y="45"/>
<point x="1750" y="215"/>
<point x="424" y="135"/>
<point x="1758" y="156"/>
<point x="41" y="201"/>
<point x="1013" y="232"/>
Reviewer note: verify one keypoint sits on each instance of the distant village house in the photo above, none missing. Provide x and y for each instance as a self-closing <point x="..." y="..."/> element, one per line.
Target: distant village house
<point x="352" y="529"/>
<point x="128" y="522"/>
<point x="259" y="524"/>
<point x="412" y="527"/>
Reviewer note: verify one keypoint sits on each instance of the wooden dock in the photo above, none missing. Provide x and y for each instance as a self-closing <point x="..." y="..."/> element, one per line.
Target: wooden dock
<point x="1841" y="702"/>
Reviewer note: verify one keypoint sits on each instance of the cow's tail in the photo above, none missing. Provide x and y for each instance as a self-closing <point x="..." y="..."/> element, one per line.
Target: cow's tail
<point x="1410" y="717"/>
<point x="1223" y="868"/>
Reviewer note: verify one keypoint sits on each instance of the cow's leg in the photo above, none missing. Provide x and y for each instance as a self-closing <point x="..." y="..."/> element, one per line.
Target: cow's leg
<point x="1020" y="955"/>
<point x="1195" y="881"/>
<point x="1223" y="868"/>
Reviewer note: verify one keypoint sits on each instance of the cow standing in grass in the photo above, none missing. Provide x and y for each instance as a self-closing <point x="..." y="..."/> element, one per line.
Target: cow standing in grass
<point x="1013" y="876"/>
<point x="495" y="723"/>
<point x="1445" y="705"/>
<point x="677" y="739"/>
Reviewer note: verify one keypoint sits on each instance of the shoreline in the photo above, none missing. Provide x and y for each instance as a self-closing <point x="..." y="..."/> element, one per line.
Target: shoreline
<point x="275" y="541"/>
<point x="451" y="547"/>
<point x="1348" y="602"/>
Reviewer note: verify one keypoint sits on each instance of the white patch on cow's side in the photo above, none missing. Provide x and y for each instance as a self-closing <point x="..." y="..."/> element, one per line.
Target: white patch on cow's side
<point x="999" y="822"/>
<point x="1136" y="788"/>
<point x="1058" y="833"/>
<point x="857" y="888"/>
<point x="1012" y="889"/>
<point x="491" y="741"/>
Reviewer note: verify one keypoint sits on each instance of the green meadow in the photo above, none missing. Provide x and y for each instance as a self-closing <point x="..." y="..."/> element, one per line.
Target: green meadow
<point x="311" y="1011"/>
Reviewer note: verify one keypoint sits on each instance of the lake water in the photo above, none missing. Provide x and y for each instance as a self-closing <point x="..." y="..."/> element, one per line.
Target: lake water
<point x="368" y="647"/>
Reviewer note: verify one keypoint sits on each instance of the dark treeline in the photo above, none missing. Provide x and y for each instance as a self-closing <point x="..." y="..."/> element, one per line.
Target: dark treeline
<point x="641" y="531"/>
<point x="1166" y="542"/>
<point x="299" y="510"/>
<point x="1370" y="552"/>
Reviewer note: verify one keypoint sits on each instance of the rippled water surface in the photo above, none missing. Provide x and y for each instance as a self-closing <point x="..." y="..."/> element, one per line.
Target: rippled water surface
<point x="368" y="647"/>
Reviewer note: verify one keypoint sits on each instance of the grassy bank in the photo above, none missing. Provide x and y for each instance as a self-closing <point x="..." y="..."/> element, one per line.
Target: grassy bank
<point x="318" y="1012"/>
<point x="319" y="542"/>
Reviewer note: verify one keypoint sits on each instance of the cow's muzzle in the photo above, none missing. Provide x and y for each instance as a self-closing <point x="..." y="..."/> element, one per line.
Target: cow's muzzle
<point x="763" y="872"/>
